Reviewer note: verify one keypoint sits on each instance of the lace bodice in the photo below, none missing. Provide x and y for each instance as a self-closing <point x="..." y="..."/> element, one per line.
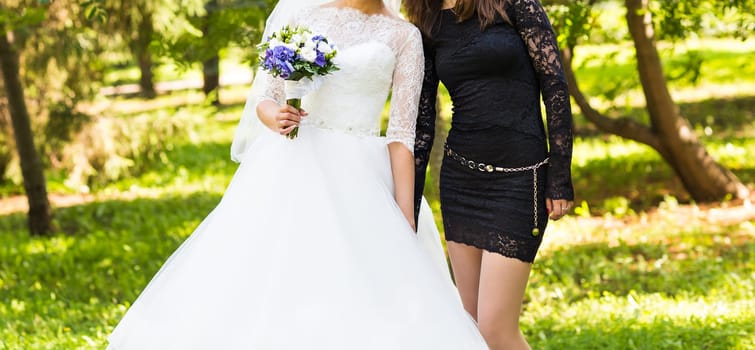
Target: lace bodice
<point x="496" y="78"/>
<point x="376" y="54"/>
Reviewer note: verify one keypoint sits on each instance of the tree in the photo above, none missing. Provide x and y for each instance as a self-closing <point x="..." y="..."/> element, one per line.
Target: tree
<point x="669" y="133"/>
<point x="143" y="31"/>
<point x="206" y="31"/>
<point x="186" y="31"/>
<point x="6" y="146"/>
<point x="138" y="24"/>
<point x="211" y="65"/>
<point x="134" y="22"/>
<point x="49" y="60"/>
<point x="39" y="216"/>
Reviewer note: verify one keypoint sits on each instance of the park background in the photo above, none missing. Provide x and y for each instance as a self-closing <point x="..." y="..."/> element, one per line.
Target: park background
<point x="116" y="119"/>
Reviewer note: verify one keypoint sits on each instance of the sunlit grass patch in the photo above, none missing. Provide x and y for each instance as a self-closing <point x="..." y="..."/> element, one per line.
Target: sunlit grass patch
<point x="666" y="280"/>
<point x="607" y="73"/>
<point x="688" y="264"/>
<point x="641" y="321"/>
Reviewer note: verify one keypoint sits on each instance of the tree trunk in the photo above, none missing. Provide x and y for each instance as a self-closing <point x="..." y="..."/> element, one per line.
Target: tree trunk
<point x="211" y="67"/>
<point x="31" y="165"/>
<point x="140" y="49"/>
<point x="211" y="74"/>
<point x="625" y="127"/>
<point x="146" y="81"/>
<point x="702" y="176"/>
<point x="6" y="135"/>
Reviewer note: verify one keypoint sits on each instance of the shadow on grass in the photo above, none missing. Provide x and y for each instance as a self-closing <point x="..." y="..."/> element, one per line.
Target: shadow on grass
<point x="733" y="113"/>
<point x="687" y="264"/>
<point x="643" y="179"/>
<point x="746" y="175"/>
<point x="727" y="117"/>
<point x="108" y="250"/>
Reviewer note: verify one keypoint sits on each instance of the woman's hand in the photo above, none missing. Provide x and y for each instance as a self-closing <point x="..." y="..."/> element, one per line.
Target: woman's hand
<point x="557" y="208"/>
<point x="281" y="119"/>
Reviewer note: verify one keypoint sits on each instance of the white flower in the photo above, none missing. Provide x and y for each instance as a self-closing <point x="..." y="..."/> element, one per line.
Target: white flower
<point x="274" y="42"/>
<point x="324" y="48"/>
<point x="309" y="45"/>
<point x="297" y="39"/>
<point x="309" y="55"/>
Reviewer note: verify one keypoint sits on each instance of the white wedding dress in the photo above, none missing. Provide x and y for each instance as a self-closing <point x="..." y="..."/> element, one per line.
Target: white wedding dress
<point x="308" y="248"/>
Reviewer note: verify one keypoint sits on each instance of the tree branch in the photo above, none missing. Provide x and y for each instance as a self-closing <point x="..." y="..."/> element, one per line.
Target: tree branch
<point x="624" y="127"/>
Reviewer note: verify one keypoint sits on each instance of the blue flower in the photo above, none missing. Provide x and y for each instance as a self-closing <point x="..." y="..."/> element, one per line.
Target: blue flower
<point x="283" y="54"/>
<point x="320" y="60"/>
<point x="268" y="62"/>
<point x="286" y="69"/>
<point x="280" y="58"/>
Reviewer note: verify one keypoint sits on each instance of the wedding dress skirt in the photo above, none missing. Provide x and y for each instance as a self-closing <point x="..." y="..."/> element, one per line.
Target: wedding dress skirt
<point x="307" y="250"/>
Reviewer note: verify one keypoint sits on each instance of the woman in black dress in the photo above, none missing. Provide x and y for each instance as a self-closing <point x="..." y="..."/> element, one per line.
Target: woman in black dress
<point x="502" y="177"/>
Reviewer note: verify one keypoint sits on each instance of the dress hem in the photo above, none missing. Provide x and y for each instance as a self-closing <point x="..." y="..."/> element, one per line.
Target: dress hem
<point x="487" y="249"/>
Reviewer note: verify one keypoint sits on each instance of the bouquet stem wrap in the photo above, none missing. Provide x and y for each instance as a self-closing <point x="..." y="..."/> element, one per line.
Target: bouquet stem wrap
<point x="295" y="90"/>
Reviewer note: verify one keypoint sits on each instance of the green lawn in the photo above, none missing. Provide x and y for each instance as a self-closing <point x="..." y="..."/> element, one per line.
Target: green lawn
<point x="633" y="269"/>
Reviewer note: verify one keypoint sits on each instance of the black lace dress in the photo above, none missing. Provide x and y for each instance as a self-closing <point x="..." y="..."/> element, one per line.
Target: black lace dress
<point x="497" y="144"/>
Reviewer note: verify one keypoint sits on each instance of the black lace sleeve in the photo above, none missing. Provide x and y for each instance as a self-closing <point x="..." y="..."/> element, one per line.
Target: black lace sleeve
<point x="536" y="31"/>
<point x="425" y="133"/>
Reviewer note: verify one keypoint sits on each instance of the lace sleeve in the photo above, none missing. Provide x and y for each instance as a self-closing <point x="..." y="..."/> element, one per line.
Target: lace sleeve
<point x="536" y="31"/>
<point x="425" y="134"/>
<point x="273" y="88"/>
<point x="407" y="81"/>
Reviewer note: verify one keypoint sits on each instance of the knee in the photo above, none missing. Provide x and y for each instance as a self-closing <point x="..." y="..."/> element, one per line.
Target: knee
<point x="500" y="335"/>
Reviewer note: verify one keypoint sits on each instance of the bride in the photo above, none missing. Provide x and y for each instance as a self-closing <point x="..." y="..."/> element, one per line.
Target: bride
<point x="313" y="244"/>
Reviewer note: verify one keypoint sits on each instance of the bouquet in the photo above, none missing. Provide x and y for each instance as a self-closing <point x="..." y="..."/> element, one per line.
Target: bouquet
<point x="301" y="58"/>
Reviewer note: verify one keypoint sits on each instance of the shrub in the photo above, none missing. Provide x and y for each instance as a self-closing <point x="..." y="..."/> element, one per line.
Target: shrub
<point x="111" y="148"/>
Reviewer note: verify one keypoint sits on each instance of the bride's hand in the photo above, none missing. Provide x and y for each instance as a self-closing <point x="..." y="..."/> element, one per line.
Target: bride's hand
<point x="288" y="118"/>
<point x="281" y="119"/>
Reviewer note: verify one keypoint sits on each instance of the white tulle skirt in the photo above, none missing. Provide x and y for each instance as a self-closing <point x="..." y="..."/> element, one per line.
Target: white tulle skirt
<point x="307" y="250"/>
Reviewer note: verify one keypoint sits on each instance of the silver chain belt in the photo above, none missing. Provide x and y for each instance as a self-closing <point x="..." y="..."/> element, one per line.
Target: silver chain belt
<point x="489" y="168"/>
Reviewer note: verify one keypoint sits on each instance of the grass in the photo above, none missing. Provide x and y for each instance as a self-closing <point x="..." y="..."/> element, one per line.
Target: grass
<point x="671" y="283"/>
<point x="669" y="286"/>
<point x="634" y="269"/>
<point x="66" y="292"/>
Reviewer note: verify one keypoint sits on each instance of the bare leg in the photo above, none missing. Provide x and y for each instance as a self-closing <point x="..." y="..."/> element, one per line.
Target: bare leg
<point x="502" y="285"/>
<point x="466" y="262"/>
